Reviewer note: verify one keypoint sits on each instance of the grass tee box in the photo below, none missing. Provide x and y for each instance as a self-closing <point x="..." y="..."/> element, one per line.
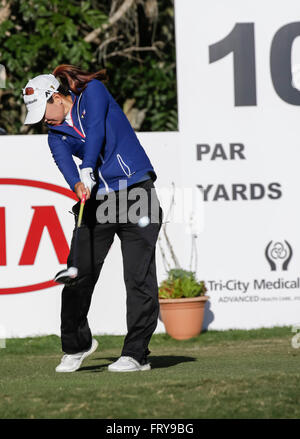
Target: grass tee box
<point x="230" y="374"/>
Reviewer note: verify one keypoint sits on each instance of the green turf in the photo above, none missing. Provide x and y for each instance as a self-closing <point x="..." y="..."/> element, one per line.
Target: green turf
<point x="219" y="374"/>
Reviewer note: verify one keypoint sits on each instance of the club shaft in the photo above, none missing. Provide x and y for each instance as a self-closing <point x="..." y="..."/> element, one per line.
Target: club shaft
<point x="82" y="203"/>
<point x="80" y="213"/>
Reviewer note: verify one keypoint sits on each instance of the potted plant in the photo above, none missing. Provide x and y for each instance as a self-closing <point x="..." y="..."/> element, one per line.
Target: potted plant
<point x="182" y="301"/>
<point x="181" y="296"/>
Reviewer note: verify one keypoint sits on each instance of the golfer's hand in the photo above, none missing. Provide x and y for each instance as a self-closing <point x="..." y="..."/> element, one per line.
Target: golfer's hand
<point x="87" y="178"/>
<point x="80" y="189"/>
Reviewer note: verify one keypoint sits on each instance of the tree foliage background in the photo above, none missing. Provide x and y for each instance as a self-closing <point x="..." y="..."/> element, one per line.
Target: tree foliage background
<point x="133" y="39"/>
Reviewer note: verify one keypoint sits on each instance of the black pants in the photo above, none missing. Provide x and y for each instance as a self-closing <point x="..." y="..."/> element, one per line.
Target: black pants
<point x="138" y="251"/>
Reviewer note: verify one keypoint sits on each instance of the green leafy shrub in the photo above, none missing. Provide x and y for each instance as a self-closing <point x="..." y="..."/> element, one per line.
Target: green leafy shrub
<point x="181" y="283"/>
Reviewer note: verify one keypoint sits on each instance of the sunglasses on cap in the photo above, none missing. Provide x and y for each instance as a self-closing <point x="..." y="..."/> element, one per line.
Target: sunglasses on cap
<point x="28" y="91"/>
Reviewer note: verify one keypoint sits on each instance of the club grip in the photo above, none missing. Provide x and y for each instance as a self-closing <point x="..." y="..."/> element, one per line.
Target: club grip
<point x="83" y="199"/>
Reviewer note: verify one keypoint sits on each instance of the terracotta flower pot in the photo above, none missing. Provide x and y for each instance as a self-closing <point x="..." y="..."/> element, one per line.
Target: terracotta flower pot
<point x="183" y="318"/>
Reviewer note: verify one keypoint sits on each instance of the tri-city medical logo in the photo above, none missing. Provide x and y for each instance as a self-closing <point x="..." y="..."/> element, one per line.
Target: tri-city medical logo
<point x="278" y="286"/>
<point x="278" y="255"/>
<point x="42" y="222"/>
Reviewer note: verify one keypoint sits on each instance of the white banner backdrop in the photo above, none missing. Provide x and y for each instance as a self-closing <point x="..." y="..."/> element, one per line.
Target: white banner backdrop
<point x="30" y="182"/>
<point x="239" y="144"/>
<point x="237" y="148"/>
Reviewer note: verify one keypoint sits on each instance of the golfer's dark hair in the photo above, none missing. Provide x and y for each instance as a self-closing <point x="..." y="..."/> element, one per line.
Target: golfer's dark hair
<point x="74" y="79"/>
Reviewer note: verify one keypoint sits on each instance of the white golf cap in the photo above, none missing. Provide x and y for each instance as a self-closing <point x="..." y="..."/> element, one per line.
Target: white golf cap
<point x="36" y="93"/>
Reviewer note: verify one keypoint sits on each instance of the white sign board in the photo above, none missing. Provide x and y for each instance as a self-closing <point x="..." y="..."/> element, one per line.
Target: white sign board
<point x="35" y="235"/>
<point x="237" y="148"/>
<point x="239" y="144"/>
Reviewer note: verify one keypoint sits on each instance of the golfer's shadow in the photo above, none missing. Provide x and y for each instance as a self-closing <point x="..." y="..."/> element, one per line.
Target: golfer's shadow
<point x="157" y="362"/>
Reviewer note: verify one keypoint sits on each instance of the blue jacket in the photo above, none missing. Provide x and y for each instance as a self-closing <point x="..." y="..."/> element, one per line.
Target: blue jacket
<point x="102" y="138"/>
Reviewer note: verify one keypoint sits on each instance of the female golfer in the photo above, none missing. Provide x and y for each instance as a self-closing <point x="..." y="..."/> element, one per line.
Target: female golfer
<point x="85" y="121"/>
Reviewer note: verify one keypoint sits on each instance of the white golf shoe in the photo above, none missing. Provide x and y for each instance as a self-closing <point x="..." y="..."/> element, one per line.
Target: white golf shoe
<point x="128" y="364"/>
<point x="72" y="362"/>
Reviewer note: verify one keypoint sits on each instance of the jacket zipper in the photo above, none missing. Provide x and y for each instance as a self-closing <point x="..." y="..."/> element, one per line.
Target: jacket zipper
<point x="73" y="125"/>
<point x="100" y="174"/>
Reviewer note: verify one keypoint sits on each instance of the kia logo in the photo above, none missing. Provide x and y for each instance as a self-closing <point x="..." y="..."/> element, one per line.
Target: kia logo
<point x="40" y="223"/>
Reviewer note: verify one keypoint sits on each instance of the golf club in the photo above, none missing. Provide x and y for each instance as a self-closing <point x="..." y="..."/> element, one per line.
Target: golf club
<point x="69" y="275"/>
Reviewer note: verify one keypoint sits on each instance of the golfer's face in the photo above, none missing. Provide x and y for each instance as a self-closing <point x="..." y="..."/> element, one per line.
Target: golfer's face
<point x="54" y="114"/>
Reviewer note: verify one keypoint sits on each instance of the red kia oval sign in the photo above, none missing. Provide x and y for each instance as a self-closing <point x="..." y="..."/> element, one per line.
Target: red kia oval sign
<point x="43" y="217"/>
